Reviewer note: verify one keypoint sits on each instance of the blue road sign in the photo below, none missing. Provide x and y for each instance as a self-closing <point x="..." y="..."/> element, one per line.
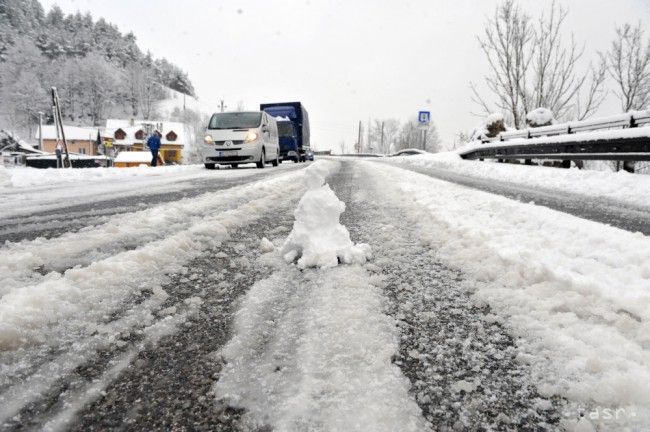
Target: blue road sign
<point x="424" y="117"/>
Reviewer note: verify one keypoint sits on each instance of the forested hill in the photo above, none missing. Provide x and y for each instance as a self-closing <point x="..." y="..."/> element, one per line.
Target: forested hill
<point x="99" y="71"/>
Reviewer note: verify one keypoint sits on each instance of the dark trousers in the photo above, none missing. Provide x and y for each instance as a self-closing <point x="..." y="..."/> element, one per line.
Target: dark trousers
<point x="154" y="155"/>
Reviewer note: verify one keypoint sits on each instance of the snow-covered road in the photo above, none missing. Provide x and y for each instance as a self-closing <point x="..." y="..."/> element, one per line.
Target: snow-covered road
<point x="618" y="200"/>
<point x="174" y="305"/>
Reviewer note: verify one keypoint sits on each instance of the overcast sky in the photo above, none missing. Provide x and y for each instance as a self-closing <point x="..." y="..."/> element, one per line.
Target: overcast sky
<point x="345" y="60"/>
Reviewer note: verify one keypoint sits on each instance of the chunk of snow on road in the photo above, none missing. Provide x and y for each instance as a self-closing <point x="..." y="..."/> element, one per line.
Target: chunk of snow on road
<point x="318" y="238"/>
<point x="462" y="385"/>
<point x="575" y="292"/>
<point x="312" y="350"/>
<point x="160" y="293"/>
<point x="266" y="245"/>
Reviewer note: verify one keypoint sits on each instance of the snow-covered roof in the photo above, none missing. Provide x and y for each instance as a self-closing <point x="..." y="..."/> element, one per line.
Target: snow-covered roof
<point x="71" y="133"/>
<point x="133" y="157"/>
<point x="11" y="144"/>
<point x="131" y="127"/>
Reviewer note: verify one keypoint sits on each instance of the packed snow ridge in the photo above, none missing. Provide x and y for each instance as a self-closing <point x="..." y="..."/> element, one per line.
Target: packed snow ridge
<point x="317" y="238"/>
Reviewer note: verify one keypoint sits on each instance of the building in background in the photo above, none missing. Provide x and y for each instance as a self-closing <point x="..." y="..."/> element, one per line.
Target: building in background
<point x="131" y="136"/>
<point x="81" y="140"/>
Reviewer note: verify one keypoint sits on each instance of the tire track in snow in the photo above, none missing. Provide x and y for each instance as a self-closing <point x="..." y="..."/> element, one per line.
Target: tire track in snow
<point x="30" y="262"/>
<point x="65" y="218"/>
<point x="169" y="386"/>
<point x="136" y="384"/>
<point x="251" y="212"/>
<point x="462" y="363"/>
<point x="603" y="210"/>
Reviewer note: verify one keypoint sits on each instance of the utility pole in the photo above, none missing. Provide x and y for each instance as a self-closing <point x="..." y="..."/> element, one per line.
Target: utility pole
<point x="359" y="140"/>
<point x="424" y="142"/>
<point x="382" y="136"/>
<point x="223" y="105"/>
<point x="40" y="130"/>
<point x="58" y="121"/>
<point x="368" y="134"/>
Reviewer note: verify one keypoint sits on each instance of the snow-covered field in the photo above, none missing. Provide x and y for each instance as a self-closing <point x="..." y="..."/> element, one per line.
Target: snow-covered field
<point x="621" y="187"/>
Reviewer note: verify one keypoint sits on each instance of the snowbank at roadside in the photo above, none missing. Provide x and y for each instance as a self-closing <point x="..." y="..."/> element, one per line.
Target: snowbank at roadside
<point x="633" y="189"/>
<point x="575" y="292"/>
<point x="21" y="177"/>
<point x="5" y="178"/>
<point x="317" y="238"/>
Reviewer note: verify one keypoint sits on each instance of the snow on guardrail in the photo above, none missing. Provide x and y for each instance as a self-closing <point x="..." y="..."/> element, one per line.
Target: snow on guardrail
<point x="630" y="119"/>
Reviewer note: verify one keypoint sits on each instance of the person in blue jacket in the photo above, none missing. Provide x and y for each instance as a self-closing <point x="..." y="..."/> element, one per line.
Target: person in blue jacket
<point x="154" y="145"/>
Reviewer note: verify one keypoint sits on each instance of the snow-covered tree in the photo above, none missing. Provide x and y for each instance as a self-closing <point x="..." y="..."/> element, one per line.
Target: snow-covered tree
<point x="531" y="65"/>
<point x="101" y="86"/>
<point x="383" y="135"/>
<point x="557" y="83"/>
<point x="628" y="62"/>
<point x="96" y="68"/>
<point x="21" y="90"/>
<point x="507" y="44"/>
<point x="412" y="136"/>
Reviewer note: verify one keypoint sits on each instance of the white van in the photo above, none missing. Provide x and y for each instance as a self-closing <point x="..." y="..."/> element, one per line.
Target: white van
<point x="235" y="138"/>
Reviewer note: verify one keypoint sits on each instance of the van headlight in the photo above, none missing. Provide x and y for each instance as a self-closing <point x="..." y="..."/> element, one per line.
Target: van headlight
<point x="250" y="137"/>
<point x="208" y="139"/>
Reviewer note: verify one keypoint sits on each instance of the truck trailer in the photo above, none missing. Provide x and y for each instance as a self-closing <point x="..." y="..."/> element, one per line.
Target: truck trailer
<point x="293" y="128"/>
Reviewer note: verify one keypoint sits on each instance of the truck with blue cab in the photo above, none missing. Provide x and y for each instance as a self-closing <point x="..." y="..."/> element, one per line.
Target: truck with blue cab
<point x="293" y="129"/>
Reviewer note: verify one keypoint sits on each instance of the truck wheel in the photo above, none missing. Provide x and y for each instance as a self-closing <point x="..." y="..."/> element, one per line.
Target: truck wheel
<point x="210" y="166"/>
<point x="262" y="161"/>
<point x="295" y="160"/>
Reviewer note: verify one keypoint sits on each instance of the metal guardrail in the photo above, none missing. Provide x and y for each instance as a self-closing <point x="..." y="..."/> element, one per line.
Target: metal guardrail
<point x="576" y="145"/>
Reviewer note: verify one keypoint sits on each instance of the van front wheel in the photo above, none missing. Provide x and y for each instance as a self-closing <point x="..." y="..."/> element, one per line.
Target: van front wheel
<point x="210" y="166"/>
<point x="262" y="161"/>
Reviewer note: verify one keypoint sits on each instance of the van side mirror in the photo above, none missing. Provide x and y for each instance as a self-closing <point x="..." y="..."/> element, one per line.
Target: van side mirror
<point x="265" y="129"/>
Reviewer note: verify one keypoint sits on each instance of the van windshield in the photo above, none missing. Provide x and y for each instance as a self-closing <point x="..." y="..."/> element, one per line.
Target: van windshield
<point x="245" y="120"/>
